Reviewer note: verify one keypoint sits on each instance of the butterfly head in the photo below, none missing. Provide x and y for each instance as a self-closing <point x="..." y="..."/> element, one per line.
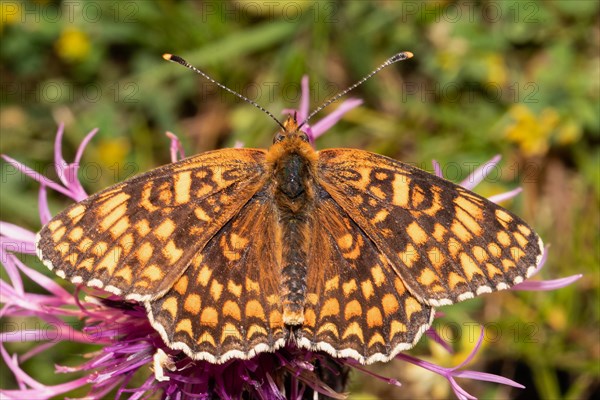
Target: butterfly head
<point x="290" y="140"/>
<point x="290" y="132"/>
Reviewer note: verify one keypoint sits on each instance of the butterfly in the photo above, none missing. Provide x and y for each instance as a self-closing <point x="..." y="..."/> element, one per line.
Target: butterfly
<point x="240" y="251"/>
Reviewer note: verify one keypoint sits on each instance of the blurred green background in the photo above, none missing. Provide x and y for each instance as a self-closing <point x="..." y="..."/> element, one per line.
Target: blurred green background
<point x="520" y="79"/>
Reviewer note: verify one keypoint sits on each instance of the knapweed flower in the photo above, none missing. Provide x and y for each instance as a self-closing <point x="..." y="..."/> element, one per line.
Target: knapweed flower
<point x="131" y="360"/>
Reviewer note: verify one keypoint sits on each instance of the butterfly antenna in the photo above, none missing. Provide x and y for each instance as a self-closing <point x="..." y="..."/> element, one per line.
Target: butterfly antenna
<point x="395" y="58"/>
<point x="179" y="60"/>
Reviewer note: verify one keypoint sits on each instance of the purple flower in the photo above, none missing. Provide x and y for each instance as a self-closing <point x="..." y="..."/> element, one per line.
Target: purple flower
<point x="126" y="343"/>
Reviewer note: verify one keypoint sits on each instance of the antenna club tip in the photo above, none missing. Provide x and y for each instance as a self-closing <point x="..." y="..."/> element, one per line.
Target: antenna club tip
<point x="409" y="54"/>
<point x="167" y="56"/>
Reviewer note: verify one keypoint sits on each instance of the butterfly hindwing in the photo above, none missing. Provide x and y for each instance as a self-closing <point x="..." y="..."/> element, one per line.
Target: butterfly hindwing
<point x="136" y="238"/>
<point x="445" y="242"/>
<point x="227" y="304"/>
<point x="357" y="306"/>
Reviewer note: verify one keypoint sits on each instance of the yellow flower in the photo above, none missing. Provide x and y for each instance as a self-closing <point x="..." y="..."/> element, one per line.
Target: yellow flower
<point x="496" y="69"/>
<point x="73" y="45"/>
<point x="10" y="13"/>
<point x="569" y="132"/>
<point x="534" y="133"/>
<point x="113" y="151"/>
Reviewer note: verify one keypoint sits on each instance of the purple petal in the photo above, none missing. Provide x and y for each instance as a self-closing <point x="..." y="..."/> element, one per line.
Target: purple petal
<point x="8" y="260"/>
<point x="323" y="125"/>
<point x="86" y="140"/>
<point x="461" y="393"/>
<point x="59" y="161"/>
<point x="36" y="177"/>
<point x="44" y="210"/>
<point x="542" y="260"/>
<point x="423" y="364"/>
<point x="304" y="100"/>
<point x="16" y="232"/>
<point x="302" y="112"/>
<point x="68" y="172"/>
<point x="21" y="377"/>
<point x="437" y="169"/>
<point x="63" y="333"/>
<point x="38" y="390"/>
<point x="548" y="284"/>
<point x="47" y="283"/>
<point x="484" y="376"/>
<point x="16" y="245"/>
<point x="473" y="352"/>
<point x="176" y="148"/>
<point x="480" y="173"/>
<point x="36" y="350"/>
<point x="497" y="198"/>
<point x="72" y="182"/>
<point x="389" y="381"/>
<point x="433" y="335"/>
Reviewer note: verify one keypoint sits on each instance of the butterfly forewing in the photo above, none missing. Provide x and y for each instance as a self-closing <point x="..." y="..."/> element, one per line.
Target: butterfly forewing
<point x="357" y="306"/>
<point x="446" y="243"/>
<point x="137" y="238"/>
<point x="227" y="304"/>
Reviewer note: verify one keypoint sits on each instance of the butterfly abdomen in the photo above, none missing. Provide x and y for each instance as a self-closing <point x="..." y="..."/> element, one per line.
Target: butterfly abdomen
<point x="294" y="269"/>
<point x="294" y="198"/>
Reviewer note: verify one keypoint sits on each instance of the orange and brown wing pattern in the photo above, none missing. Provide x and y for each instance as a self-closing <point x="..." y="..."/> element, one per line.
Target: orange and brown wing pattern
<point x="227" y="304"/>
<point x="445" y="242"/>
<point x="356" y="306"/>
<point x="138" y="237"/>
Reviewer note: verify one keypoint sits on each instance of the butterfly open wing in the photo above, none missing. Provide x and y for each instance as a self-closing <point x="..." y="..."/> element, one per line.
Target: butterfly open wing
<point x="227" y="304"/>
<point x="198" y="242"/>
<point x="137" y="238"/>
<point x="357" y="306"/>
<point x="446" y="243"/>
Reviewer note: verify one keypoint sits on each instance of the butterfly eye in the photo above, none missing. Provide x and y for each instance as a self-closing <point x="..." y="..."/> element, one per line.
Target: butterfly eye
<point x="303" y="136"/>
<point x="278" y="138"/>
